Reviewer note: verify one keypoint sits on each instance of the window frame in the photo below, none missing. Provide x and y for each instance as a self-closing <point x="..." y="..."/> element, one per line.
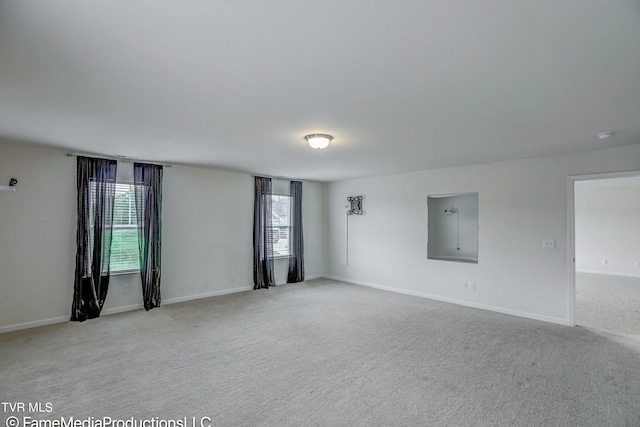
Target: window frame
<point x="125" y="227"/>
<point x="289" y="226"/>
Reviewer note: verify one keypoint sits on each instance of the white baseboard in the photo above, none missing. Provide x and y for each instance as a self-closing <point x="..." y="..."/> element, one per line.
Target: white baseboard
<point x="207" y="295"/>
<point x="125" y="308"/>
<point x="518" y="313"/>
<point x="313" y="276"/>
<point x="34" y="324"/>
<point x="607" y="273"/>
<point x="116" y="310"/>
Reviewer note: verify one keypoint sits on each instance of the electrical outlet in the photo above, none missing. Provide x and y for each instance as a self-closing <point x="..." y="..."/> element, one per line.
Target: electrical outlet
<point x="472" y="286"/>
<point x="637" y="263"/>
<point x="604" y="261"/>
<point x="549" y="243"/>
<point x="126" y="288"/>
<point x="465" y="285"/>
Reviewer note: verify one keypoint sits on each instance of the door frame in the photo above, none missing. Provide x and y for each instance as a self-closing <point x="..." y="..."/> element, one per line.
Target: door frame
<point x="571" y="232"/>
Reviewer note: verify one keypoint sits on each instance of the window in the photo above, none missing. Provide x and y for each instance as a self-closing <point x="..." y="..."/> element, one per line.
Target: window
<point x="280" y="225"/>
<point x="124" y="240"/>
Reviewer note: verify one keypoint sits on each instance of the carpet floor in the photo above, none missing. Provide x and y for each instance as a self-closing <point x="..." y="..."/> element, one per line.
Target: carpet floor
<point x="322" y="353"/>
<point x="608" y="303"/>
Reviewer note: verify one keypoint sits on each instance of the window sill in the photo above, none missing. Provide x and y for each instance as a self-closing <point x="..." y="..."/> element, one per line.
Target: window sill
<point x="124" y="272"/>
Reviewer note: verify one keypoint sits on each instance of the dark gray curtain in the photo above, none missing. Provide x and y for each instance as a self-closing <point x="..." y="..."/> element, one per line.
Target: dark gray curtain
<point x="262" y="234"/>
<point x="296" y="259"/>
<point x="148" y="191"/>
<point x="96" y="180"/>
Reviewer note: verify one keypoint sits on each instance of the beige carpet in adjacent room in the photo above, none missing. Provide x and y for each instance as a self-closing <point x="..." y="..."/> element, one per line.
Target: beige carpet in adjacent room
<point x="608" y="303"/>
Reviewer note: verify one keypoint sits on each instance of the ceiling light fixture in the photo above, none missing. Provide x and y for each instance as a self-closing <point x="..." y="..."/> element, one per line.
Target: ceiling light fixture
<point x="318" y="140"/>
<point x="605" y="135"/>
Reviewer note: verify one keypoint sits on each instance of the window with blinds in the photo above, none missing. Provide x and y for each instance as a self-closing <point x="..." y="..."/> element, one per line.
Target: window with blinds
<point x="280" y="225"/>
<point x="124" y="242"/>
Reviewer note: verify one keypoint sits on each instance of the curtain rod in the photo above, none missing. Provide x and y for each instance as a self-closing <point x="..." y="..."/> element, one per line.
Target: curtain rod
<point x="121" y="158"/>
<point x="278" y="178"/>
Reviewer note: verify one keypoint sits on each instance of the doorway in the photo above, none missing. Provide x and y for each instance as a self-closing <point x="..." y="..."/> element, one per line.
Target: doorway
<point x="604" y="252"/>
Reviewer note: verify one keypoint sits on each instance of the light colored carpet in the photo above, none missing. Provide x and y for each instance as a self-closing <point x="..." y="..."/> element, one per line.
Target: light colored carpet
<point x="325" y="353"/>
<point x="608" y="303"/>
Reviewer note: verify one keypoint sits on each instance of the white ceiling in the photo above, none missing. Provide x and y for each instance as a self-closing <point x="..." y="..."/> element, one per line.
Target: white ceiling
<point x="401" y="85"/>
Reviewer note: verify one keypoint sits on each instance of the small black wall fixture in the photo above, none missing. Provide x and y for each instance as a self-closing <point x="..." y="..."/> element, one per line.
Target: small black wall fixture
<point x="12" y="185"/>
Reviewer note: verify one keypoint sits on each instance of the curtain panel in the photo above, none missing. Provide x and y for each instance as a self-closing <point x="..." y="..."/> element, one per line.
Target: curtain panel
<point x="262" y="234"/>
<point x="96" y="184"/>
<point x="296" y="259"/>
<point x="148" y="194"/>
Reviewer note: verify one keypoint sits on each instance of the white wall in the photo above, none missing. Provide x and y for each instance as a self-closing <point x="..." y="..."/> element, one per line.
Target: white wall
<point x="37" y="235"/>
<point x="207" y="216"/>
<point x="521" y="202"/>
<point x="607" y="227"/>
<point x="207" y="236"/>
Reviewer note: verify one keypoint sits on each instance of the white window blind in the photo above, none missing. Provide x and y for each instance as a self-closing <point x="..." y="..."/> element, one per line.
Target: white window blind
<point x="280" y="225"/>
<point x="124" y="241"/>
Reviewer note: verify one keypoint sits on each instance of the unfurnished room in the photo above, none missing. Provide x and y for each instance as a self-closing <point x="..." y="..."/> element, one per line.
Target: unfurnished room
<point x="329" y="213"/>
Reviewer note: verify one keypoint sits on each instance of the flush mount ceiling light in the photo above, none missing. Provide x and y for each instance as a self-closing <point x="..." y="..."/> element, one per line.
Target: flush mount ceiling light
<point x="605" y="135"/>
<point x="318" y="140"/>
